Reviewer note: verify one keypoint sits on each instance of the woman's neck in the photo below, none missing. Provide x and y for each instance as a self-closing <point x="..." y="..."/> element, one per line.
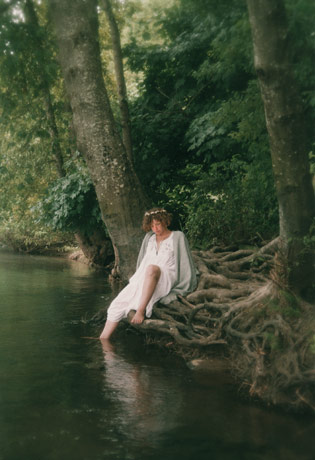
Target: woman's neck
<point x="163" y="235"/>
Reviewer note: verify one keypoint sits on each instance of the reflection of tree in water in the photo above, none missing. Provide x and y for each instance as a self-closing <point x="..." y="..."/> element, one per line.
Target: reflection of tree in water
<point x="149" y="405"/>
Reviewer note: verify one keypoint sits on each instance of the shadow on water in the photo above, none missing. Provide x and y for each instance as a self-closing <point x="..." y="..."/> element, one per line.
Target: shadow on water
<point x="65" y="397"/>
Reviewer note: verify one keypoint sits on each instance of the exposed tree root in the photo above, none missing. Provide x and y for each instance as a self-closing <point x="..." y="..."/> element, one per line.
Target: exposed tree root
<point x="240" y="306"/>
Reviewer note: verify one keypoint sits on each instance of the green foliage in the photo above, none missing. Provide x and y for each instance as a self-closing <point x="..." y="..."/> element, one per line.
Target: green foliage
<point x="200" y="141"/>
<point x="177" y="199"/>
<point x="201" y="145"/>
<point x="28" y="73"/>
<point x="70" y="204"/>
<point x="24" y="235"/>
<point x="199" y="128"/>
<point x="274" y="341"/>
<point x="309" y="240"/>
<point x="286" y="304"/>
<point x="301" y="25"/>
<point x="226" y="204"/>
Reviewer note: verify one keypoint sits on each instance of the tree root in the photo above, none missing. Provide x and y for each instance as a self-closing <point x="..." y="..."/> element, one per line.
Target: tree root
<point x="237" y="306"/>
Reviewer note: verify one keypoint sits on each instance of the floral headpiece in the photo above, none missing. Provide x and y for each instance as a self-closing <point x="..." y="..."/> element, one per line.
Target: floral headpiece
<point x="151" y="213"/>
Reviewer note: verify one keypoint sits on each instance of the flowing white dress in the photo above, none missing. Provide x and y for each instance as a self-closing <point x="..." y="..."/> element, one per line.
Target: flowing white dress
<point x="129" y="298"/>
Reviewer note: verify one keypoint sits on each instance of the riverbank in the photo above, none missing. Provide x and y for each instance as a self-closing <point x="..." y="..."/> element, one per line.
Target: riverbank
<point x="242" y="315"/>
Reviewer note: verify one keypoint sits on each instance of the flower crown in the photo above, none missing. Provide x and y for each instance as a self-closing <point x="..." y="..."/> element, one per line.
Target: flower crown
<point x="151" y="213"/>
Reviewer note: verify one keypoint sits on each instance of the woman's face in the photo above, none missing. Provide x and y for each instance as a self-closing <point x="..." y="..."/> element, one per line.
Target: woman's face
<point x="158" y="227"/>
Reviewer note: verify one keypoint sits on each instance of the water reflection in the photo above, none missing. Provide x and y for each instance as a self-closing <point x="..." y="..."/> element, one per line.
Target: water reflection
<point x="171" y="412"/>
<point x="148" y="404"/>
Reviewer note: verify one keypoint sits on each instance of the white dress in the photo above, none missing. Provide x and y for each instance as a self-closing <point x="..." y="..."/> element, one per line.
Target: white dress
<point x="129" y="298"/>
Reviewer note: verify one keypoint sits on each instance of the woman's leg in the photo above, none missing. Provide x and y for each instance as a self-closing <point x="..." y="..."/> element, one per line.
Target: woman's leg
<point x="151" y="278"/>
<point x="109" y="328"/>
<point x="115" y="313"/>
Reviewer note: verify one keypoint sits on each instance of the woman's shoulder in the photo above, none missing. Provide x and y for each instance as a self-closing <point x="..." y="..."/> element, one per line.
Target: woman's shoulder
<point x="148" y="235"/>
<point x="178" y="234"/>
<point x="147" y="238"/>
<point x="179" y="238"/>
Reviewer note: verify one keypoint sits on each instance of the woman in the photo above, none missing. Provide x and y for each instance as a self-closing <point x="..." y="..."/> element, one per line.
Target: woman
<point x="164" y="269"/>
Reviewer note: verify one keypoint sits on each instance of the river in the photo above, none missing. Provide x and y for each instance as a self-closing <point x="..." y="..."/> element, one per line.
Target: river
<point x="66" y="397"/>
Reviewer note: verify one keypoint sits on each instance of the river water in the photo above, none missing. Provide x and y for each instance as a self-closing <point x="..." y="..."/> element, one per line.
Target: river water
<point x="66" y="397"/>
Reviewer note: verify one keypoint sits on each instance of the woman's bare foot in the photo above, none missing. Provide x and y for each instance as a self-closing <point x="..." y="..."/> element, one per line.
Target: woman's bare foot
<point x="138" y="318"/>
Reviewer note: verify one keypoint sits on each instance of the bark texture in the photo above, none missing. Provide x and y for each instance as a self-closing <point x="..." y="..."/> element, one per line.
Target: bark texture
<point x="120" y="78"/>
<point x="96" y="247"/>
<point x="121" y="199"/>
<point x="288" y="138"/>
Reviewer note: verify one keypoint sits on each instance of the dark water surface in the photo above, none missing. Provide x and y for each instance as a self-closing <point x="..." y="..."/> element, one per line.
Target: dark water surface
<point x="64" y="397"/>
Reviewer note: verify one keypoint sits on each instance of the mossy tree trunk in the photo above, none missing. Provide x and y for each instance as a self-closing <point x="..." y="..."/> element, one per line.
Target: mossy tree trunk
<point x="119" y="192"/>
<point x="288" y="139"/>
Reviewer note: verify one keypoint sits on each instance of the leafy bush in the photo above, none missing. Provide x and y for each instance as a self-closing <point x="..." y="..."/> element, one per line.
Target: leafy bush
<point x="233" y="202"/>
<point x="70" y="204"/>
<point x="24" y="235"/>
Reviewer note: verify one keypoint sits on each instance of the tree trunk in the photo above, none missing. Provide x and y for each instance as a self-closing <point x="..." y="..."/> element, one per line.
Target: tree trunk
<point x="120" y="79"/>
<point x="120" y="195"/>
<point x="97" y="247"/>
<point x="288" y="139"/>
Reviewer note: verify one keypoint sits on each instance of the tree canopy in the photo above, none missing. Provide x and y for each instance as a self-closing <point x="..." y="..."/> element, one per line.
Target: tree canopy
<point x="199" y="136"/>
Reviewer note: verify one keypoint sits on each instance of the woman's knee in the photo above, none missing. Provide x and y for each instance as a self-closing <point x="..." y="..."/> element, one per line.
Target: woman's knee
<point x="154" y="271"/>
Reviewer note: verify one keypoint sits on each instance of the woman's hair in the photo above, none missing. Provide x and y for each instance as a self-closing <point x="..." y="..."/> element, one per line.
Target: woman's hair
<point x="158" y="214"/>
